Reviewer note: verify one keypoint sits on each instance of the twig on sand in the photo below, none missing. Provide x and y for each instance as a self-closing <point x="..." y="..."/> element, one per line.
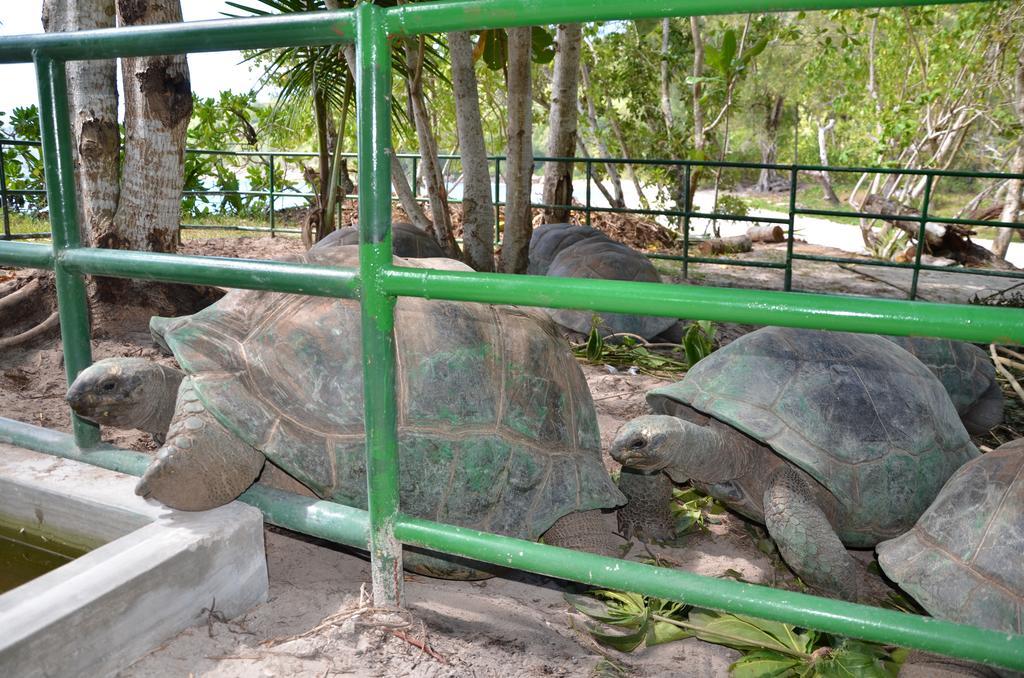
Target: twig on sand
<point x="998" y="361"/>
<point x="392" y="620"/>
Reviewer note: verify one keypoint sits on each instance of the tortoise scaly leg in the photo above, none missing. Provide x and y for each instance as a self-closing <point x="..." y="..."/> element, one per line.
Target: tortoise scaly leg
<point x="584" y="531"/>
<point x="806" y="540"/>
<point x="647" y="513"/>
<point x="202" y="465"/>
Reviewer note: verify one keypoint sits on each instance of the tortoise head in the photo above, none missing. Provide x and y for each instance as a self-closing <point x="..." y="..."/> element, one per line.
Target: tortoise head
<point x="126" y="393"/>
<point x="684" y="450"/>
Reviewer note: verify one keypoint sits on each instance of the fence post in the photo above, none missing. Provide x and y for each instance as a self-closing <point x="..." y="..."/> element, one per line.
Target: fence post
<point x="497" y="200"/>
<point x="373" y="116"/>
<point x="59" y="168"/>
<point x="920" y="234"/>
<point x="271" y="196"/>
<point x="589" y="165"/>
<point x="686" y="221"/>
<point x="792" y="227"/>
<point x="3" y="194"/>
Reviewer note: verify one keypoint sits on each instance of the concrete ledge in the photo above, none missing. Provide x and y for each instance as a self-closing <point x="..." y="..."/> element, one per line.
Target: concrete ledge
<point x="152" y="579"/>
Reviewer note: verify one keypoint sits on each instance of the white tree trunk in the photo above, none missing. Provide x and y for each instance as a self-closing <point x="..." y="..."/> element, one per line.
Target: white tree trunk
<point x="602" y="147"/>
<point x="1012" y="203"/>
<point x="92" y="102"/>
<point x="826" y="179"/>
<point x="158" y="105"/>
<point x="477" y="204"/>
<point x="562" y="122"/>
<point x="436" y="190"/>
<point x="519" y="165"/>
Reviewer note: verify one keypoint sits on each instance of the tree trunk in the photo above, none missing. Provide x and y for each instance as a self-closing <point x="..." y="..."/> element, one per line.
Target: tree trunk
<point x="698" y="109"/>
<point x="477" y="204"/>
<point x="602" y="147"/>
<point x="630" y="172"/>
<point x="562" y="123"/>
<point x="92" y="103"/>
<point x="323" y="150"/>
<point x="824" y="177"/>
<point x="515" y="243"/>
<point x="158" y="105"/>
<point x="432" y="175"/>
<point x="1011" y="206"/>
<point x="769" y="178"/>
<point x="666" y="101"/>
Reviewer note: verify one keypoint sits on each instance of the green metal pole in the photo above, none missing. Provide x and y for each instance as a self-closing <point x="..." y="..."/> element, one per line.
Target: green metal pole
<point x="29" y="255"/>
<point x="920" y="235"/>
<point x="3" y="193"/>
<point x="589" y="168"/>
<point x="55" y="131"/>
<point x="788" y="284"/>
<point x="686" y="221"/>
<point x="373" y="102"/>
<point x="497" y="201"/>
<point x="271" y="196"/>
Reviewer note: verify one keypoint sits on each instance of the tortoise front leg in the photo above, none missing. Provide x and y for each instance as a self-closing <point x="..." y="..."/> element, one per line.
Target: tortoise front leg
<point x="806" y="540"/>
<point x="648" y="511"/>
<point x="202" y="465"/>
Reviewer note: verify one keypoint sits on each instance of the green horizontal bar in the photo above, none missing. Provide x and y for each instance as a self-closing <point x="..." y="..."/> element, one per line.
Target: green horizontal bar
<point x="254" y="229"/>
<point x="953" y="270"/>
<point x="26" y="236"/>
<point x="282" y="30"/>
<point x="26" y="254"/>
<point x="315" y="517"/>
<point x="759" y="307"/>
<point x="346" y="525"/>
<point x="250" y="274"/>
<point x="461" y="15"/>
<point x="805" y="611"/>
<point x="974" y="222"/>
<point x="723" y="262"/>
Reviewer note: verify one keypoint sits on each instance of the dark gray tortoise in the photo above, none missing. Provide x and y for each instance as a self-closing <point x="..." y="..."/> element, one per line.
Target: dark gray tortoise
<point x="548" y="240"/>
<point x="968" y="375"/>
<point x="603" y="258"/>
<point x="406" y="240"/>
<point x="829" y="439"/>
<point x="497" y="429"/>
<point x="962" y="560"/>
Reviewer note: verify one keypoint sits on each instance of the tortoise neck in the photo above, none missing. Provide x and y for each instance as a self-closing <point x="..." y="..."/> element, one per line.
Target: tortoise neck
<point x="706" y="454"/>
<point x="157" y="418"/>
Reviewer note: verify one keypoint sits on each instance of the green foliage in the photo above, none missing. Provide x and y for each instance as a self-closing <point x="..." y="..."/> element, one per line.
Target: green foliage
<point x="889" y="244"/>
<point x="732" y="205"/>
<point x="630" y="351"/>
<point x="23" y="165"/>
<point x="692" y="510"/>
<point x="771" y="649"/>
<point x="699" y="341"/>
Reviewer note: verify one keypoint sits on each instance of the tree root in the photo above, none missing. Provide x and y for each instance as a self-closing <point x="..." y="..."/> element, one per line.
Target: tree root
<point x="51" y="321"/>
<point x="28" y="309"/>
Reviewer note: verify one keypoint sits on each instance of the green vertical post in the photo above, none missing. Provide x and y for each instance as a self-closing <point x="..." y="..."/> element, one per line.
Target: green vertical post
<point x="373" y="101"/>
<point x="3" y="194"/>
<point x="55" y="132"/>
<point x="920" y="234"/>
<point x="415" y="176"/>
<point x="590" y="168"/>
<point x="270" y="185"/>
<point x="792" y="227"/>
<point x="497" y="201"/>
<point x="686" y="221"/>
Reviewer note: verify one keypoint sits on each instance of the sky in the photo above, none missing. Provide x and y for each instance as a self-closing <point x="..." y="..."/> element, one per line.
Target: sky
<point x="210" y="72"/>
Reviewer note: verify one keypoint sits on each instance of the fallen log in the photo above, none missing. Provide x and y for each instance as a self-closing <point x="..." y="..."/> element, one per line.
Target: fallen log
<point x="951" y="241"/>
<point x="768" y="233"/>
<point x="729" y="245"/>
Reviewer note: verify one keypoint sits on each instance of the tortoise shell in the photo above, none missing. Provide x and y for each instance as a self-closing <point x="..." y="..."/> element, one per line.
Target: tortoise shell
<point x="961" y="560"/>
<point x="406" y="240"/>
<point x="548" y="240"/>
<point x="496" y="426"/>
<point x="866" y="420"/>
<point x="607" y="260"/>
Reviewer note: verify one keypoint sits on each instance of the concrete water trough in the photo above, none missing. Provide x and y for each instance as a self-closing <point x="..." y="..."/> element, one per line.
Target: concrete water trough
<point x="157" y="572"/>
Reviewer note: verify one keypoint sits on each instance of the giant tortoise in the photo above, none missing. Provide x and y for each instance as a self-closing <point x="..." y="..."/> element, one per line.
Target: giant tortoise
<point x="497" y="430"/>
<point x="571" y="251"/>
<point x="406" y="240"/>
<point x="829" y="439"/>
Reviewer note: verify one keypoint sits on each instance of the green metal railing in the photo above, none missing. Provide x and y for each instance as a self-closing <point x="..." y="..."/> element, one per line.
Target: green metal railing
<point x="377" y="283"/>
<point x="684" y="217"/>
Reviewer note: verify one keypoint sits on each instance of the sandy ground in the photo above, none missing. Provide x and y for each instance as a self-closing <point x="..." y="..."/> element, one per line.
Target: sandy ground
<point x="317" y="621"/>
